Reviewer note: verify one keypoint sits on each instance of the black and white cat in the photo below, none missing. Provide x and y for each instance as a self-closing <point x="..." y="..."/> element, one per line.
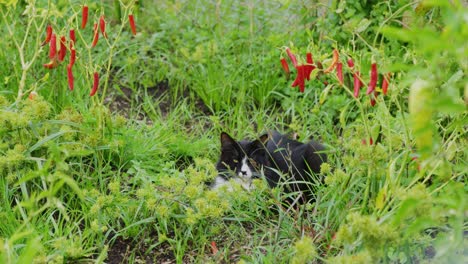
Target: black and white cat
<point x="280" y="159"/>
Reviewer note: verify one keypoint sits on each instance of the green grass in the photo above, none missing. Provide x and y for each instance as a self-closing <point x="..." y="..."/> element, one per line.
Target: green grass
<point x="82" y="183"/>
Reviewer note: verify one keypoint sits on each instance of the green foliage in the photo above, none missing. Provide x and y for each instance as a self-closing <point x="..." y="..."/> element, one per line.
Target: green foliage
<point x="78" y="178"/>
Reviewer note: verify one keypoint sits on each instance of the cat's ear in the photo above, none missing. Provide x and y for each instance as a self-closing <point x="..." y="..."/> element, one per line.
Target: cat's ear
<point x="227" y="142"/>
<point x="261" y="141"/>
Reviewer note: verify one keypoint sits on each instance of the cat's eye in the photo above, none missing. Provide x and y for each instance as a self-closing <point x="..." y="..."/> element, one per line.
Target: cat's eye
<point x="236" y="161"/>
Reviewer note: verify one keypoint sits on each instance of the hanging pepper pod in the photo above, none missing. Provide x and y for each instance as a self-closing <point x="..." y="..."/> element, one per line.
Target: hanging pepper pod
<point x="373" y="79"/>
<point x="63" y="49"/>
<point x="95" y="84"/>
<point x="336" y="57"/>
<point x="291" y="57"/>
<point x="131" y="20"/>
<point x="72" y="36"/>
<point x="48" y="35"/>
<point x="385" y="81"/>
<point x="309" y="67"/>
<point x="102" y="26"/>
<point x="53" y="46"/>
<point x="72" y="55"/>
<point x="70" y="77"/>
<point x="339" y="72"/>
<point x="285" y="66"/>
<point x="299" y="81"/>
<point x="351" y="63"/>
<point x="357" y="83"/>
<point x="84" y="16"/>
<point x="96" y="35"/>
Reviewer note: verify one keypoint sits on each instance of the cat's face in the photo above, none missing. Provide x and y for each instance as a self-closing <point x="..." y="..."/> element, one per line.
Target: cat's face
<point x="241" y="159"/>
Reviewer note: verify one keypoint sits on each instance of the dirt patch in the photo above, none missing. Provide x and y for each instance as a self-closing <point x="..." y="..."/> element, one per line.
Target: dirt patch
<point x="128" y="102"/>
<point x="128" y="250"/>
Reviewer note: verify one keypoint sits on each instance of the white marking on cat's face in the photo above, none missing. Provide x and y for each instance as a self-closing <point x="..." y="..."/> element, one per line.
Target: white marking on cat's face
<point x="245" y="171"/>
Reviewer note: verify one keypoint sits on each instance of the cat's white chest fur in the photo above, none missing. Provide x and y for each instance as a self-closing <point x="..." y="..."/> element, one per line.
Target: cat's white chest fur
<point x="243" y="178"/>
<point x="220" y="182"/>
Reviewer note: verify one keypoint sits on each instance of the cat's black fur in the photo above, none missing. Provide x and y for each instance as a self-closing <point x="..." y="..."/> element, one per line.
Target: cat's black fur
<point x="283" y="161"/>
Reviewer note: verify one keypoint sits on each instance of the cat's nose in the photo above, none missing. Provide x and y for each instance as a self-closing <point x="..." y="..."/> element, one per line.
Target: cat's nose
<point x="244" y="173"/>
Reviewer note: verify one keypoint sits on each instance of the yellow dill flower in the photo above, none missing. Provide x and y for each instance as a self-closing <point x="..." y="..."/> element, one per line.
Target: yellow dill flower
<point x="173" y="182"/>
<point x="141" y="193"/>
<point x="338" y="177"/>
<point x="215" y="211"/>
<point x="191" y="216"/>
<point x="94" y="209"/>
<point x="197" y="178"/>
<point x="304" y="251"/>
<point x="212" y="196"/>
<point x="119" y="121"/>
<point x="325" y="168"/>
<point x="37" y="109"/>
<point x="114" y="187"/>
<point x="57" y="259"/>
<point x="151" y="203"/>
<point x="361" y="257"/>
<point x="192" y="191"/>
<point x="11" y="177"/>
<point x="163" y="210"/>
<point x="41" y="259"/>
<point x="94" y="225"/>
<point x="75" y="250"/>
<point x="70" y="114"/>
<point x="201" y="204"/>
<point x="224" y="205"/>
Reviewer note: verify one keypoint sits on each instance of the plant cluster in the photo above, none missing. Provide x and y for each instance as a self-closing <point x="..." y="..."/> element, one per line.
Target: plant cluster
<point x="80" y="180"/>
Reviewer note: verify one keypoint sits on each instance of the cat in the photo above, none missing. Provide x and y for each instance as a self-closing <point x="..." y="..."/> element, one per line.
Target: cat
<point x="239" y="161"/>
<point x="281" y="160"/>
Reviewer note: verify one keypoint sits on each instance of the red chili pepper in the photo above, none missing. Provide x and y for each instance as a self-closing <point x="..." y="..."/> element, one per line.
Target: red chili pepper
<point x="32" y="95"/>
<point x="336" y="57"/>
<point x="70" y="77"/>
<point x="72" y="55"/>
<point x="299" y="78"/>
<point x="72" y="35"/>
<point x="364" y="141"/>
<point x="373" y="79"/>
<point x="131" y="19"/>
<point x="53" y="63"/>
<point x="292" y="57"/>
<point x="339" y="72"/>
<point x="214" y="248"/>
<point x="84" y="16"/>
<point x="350" y="63"/>
<point x="48" y="35"/>
<point x="385" y="81"/>
<point x="309" y="58"/>
<point x="63" y="49"/>
<point x="95" y="84"/>
<point x="309" y="67"/>
<point x="102" y="25"/>
<point x="285" y="66"/>
<point x="96" y="35"/>
<point x="357" y="83"/>
<point x="53" y="46"/>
